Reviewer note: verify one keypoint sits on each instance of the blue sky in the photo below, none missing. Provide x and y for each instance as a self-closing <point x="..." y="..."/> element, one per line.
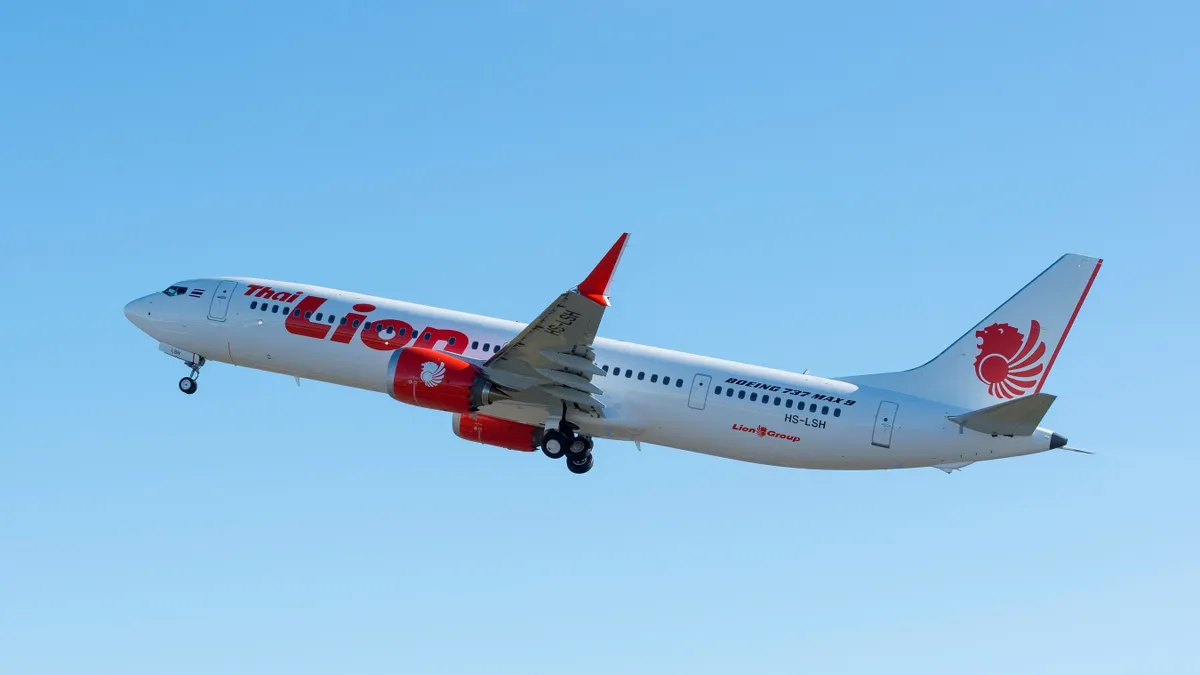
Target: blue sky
<point x="845" y="188"/>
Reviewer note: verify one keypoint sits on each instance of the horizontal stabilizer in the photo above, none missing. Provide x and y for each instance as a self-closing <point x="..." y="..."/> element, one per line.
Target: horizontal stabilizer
<point x="1018" y="417"/>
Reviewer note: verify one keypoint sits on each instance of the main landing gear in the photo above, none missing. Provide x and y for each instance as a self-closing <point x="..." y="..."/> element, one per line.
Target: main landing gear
<point x="188" y="384"/>
<point x="558" y="443"/>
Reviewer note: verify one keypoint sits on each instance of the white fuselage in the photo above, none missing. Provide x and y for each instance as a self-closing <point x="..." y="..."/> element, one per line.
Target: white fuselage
<point x="651" y="395"/>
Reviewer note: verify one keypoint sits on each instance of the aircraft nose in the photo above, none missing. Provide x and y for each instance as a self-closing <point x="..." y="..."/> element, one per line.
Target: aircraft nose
<point x="138" y="311"/>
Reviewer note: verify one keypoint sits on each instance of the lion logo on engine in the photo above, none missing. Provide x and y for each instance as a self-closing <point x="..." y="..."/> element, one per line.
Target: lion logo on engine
<point x="432" y="373"/>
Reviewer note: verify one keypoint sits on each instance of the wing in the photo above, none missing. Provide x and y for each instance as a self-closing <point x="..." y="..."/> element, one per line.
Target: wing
<point x="552" y="362"/>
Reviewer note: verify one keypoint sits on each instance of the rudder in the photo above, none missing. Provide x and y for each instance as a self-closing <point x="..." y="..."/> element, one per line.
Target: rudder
<point x="1010" y="353"/>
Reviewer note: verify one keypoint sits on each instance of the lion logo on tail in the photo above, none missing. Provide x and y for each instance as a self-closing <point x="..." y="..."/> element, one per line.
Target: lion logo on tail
<point x="1008" y="362"/>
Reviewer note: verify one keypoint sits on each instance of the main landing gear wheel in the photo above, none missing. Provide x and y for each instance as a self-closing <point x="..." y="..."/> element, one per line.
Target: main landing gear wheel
<point x="580" y="464"/>
<point x="580" y="445"/>
<point x="555" y="443"/>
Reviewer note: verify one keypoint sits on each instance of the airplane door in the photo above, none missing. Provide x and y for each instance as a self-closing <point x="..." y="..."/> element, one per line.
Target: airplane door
<point x="699" y="391"/>
<point x="220" y="302"/>
<point x="885" y="420"/>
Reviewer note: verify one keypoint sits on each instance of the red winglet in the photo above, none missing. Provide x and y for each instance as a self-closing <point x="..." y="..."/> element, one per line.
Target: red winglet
<point x="595" y="286"/>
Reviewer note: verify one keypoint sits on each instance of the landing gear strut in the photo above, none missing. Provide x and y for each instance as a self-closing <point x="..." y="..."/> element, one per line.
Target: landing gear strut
<point x="188" y="384"/>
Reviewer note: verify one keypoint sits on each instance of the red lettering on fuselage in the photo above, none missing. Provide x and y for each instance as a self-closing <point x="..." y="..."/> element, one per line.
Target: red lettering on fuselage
<point x="269" y="293"/>
<point x="387" y="334"/>
<point x="299" y="323"/>
<point x="382" y="335"/>
<point x="456" y="342"/>
<point x="345" y="332"/>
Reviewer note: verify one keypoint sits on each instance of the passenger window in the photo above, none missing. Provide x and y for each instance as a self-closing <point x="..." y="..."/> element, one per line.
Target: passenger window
<point x="487" y="346"/>
<point x="331" y="319"/>
<point x="320" y="316"/>
<point x="788" y="404"/>
<point x="427" y="337"/>
<point x="367" y="326"/>
<point x="450" y="341"/>
<point x="729" y="392"/>
<point x="287" y="310"/>
<point x="263" y="307"/>
<point x="741" y="393"/>
<point x="679" y="383"/>
<point x="812" y="407"/>
<point x="666" y="380"/>
<point x="496" y="349"/>
<point x="754" y="396"/>
<point x="824" y="410"/>
<point x="297" y="315"/>
<point x="378" y="328"/>
<point x="356" y="322"/>
<point x="641" y="375"/>
<point x="628" y="373"/>
<point x="254" y="304"/>
<point x="777" y="399"/>
<point x="718" y="391"/>
<point x="274" y="309"/>
<point x="475" y="344"/>
<point x="342" y="321"/>
<point x="654" y="380"/>
<point x="766" y="399"/>
<point x="308" y="315"/>
<point x="605" y="369"/>
<point x="837" y="412"/>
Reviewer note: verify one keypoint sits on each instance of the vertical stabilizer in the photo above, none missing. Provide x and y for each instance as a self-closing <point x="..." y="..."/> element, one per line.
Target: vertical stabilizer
<point x="1010" y="353"/>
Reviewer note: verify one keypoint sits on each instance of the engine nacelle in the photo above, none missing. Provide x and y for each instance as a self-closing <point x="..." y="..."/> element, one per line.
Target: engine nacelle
<point x="495" y="431"/>
<point x="432" y="379"/>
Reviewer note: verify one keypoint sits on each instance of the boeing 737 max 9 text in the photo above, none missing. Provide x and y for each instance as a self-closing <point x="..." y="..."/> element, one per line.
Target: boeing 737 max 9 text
<point x="554" y="385"/>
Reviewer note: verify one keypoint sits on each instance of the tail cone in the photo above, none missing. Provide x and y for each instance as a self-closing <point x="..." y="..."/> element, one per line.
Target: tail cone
<point x="1057" y="441"/>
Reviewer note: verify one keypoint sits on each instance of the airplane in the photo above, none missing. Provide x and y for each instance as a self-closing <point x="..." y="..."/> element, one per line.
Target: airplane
<point x="555" y="385"/>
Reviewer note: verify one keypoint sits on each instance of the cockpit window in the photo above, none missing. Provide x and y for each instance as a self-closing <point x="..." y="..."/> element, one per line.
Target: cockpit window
<point x="175" y="290"/>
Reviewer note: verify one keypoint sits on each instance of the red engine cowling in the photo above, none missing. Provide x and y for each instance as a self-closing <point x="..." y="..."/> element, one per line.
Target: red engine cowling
<point x="495" y="431"/>
<point x="431" y="379"/>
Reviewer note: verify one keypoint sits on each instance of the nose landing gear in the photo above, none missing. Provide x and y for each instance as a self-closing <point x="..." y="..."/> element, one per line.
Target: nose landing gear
<point x="188" y="385"/>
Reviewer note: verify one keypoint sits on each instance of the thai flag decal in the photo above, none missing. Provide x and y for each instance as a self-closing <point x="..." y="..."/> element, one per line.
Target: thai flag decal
<point x="196" y="292"/>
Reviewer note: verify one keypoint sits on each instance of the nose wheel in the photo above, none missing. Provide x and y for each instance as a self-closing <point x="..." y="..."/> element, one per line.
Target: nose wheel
<point x="188" y="385"/>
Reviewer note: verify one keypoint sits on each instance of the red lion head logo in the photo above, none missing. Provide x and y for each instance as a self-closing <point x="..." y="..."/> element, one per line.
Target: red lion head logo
<point x="1008" y="362"/>
<point x="762" y="431"/>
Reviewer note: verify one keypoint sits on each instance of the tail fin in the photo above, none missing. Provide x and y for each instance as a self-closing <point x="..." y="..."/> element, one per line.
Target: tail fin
<point x="1010" y="353"/>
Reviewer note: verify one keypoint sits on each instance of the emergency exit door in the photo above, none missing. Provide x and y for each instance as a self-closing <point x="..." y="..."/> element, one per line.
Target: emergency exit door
<point x="699" y="394"/>
<point x="220" y="302"/>
<point x="885" y="421"/>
